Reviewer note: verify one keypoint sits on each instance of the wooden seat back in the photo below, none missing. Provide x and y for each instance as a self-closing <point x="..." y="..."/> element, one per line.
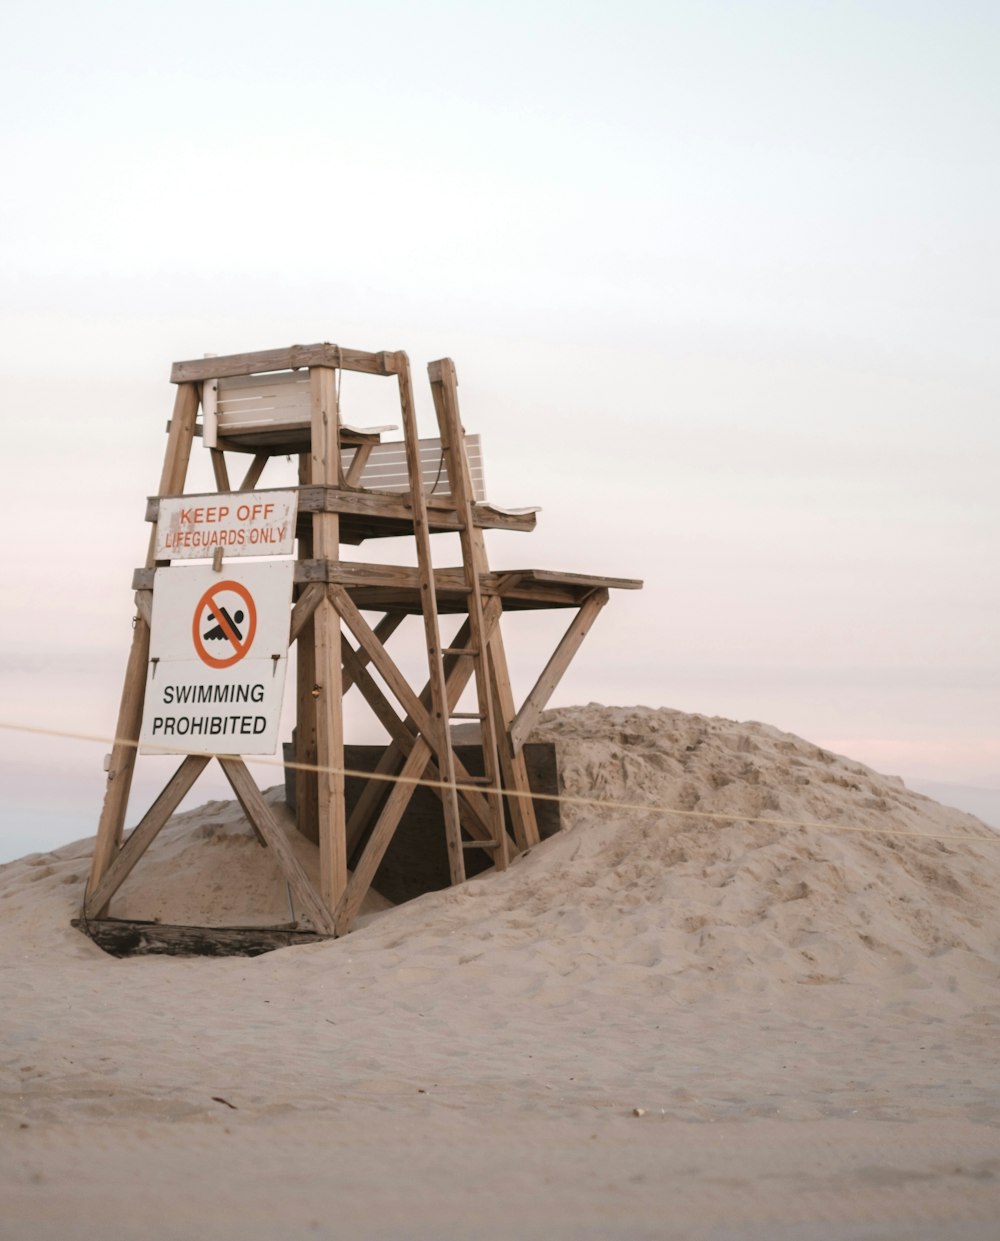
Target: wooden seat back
<point x="386" y="470"/>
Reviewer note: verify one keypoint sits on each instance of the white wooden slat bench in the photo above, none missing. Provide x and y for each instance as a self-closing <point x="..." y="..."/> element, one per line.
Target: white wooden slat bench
<point x="252" y="406"/>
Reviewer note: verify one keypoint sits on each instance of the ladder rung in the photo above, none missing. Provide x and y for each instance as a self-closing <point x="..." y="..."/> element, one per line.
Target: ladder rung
<point x="459" y="650"/>
<point x="480" y="844"/>
<point x="475" y="780"/>
<point x="467" y="715"/>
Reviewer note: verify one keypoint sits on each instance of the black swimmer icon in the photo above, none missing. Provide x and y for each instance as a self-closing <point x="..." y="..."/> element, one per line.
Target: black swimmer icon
<point x="217" y="633"/>
<point x="224" y="620"/>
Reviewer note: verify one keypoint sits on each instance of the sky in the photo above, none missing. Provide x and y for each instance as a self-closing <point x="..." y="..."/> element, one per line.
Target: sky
<point x="720" y="281"/>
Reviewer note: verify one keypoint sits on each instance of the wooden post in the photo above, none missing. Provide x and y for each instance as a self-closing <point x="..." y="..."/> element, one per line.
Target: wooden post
<point x="123" y="753"/>
<point x="501" y="760"/>
<point x="325" y="468"/>
<point x="306" y="785"/>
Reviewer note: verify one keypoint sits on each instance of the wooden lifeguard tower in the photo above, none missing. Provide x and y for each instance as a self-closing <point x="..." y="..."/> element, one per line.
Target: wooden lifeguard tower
<point x="354" y="485"/>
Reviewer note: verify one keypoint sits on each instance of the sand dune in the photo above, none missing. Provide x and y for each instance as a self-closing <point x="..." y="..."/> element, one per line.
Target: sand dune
<point x="805" y="1018"/>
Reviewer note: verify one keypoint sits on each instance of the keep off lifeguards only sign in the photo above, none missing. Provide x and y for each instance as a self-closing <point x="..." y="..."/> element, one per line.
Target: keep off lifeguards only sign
<point x="242" y="523"/>
<point x="217" y="657"/>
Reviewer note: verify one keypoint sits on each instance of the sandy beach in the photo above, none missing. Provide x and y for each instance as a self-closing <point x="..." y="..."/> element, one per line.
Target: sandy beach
<point x="653" y="1025"/>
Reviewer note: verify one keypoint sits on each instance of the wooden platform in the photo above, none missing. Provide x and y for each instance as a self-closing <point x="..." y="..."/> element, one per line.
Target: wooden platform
<point x="380" y="515"/>
<point x="396" y="588"/>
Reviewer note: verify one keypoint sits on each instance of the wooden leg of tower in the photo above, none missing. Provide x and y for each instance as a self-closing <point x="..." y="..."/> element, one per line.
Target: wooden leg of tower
<point x="325" y="468"/>
<point x="306" y="794"/>
<point x="219" y="469"/>
<point x="123" y="753"/>
<point x="513" y="768"/>
<point x="122" y="765"/>
<point x="330" y="750"/>
<point x="496" y="702"/>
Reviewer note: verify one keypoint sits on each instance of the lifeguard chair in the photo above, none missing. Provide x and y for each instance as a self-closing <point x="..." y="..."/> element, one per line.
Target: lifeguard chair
<point x="355" y="485"/>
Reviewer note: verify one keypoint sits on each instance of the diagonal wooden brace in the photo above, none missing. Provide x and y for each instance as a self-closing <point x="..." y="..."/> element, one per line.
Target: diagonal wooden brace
<point x="472" y="804"/>
<point x="552" y="673"/>
<point x="458" y="671"/>
<point x="357" y="887"/>
<point x="144" y="833"/>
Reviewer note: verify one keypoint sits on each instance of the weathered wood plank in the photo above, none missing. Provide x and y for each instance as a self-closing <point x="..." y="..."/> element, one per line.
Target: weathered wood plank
<point x="259" y="814"/>
<point x="512" y="764"/>
<point x="458" y="670"/>
<point x="254" y="471"/>
<point x="382" y="506"/>
<point x="399" y="794"/>
<point x="384" y="663"/>
<point x="302" y="612"/>
<point x="376" y="508"/>
<point x="361" y="454"/>
<point x="292" y="357"/>
<point x="473" y="807"/>
<point x="375" y="587"/>
<point x="127" y="938"/>
<point x="325" y="468"/>
<point x="219" y="469"/>
<point x="144" y="605"/>
<point x="144" y="833"/>
<point x="306" y="784"/>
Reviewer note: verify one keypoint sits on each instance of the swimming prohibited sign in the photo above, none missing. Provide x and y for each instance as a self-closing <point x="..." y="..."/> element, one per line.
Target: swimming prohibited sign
<point x="217" y="656"/>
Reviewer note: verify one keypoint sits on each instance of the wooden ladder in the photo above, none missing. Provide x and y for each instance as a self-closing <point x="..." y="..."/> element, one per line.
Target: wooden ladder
<point x="440" y="707"/>
<point x="444" y="388"/>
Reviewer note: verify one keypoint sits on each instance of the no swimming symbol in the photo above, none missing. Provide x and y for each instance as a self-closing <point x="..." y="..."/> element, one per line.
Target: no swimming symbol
<point x="225" y="619"/>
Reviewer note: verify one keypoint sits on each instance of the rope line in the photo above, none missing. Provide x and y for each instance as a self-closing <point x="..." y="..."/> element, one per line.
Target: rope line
<point x="568" y="799"/>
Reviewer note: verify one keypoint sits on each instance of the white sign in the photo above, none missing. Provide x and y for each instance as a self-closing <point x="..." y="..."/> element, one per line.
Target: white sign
<point x="217" y="656"/>
<point x="242" y="523"/>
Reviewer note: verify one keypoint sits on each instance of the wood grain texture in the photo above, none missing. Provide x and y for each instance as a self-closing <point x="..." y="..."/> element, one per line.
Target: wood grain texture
<point x="325" y="468"/>
<point x="120" y="937"/>
<point x="254" y="471"/>
<point x="291" y="357"/>
<point x="378" y="509"/>
<point x="219" y="469"/>
<point x="302" y="612"/>
<point x="306" y="786"/>
<point x="458" y="671"/>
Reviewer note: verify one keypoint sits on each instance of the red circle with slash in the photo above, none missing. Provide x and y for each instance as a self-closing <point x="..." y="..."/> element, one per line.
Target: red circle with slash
<point x="225" y="627"/>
